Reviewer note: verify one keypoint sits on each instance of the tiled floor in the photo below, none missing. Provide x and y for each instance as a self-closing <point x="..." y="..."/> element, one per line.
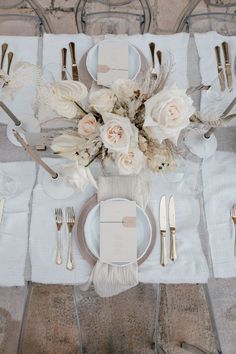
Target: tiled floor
<point x="63" y="320"/>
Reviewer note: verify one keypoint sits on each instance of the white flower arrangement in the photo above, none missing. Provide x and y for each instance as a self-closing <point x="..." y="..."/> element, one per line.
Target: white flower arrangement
<point x="135" y="126"/>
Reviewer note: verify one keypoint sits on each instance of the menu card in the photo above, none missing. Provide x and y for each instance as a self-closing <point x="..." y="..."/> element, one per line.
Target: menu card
<point x="112" y="62"/>
<point x="118" y="235"/>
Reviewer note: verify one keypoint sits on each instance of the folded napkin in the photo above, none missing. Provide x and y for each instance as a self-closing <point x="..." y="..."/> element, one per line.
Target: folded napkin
<point x="24" y="49"/>
<point x="206" y="43"/>
<point x="43" y="236"/>
<point x="108" y="279"/>
<point x="174" y="47"/>
<point x="219" y="183"/>
<point x="14" y="226"/>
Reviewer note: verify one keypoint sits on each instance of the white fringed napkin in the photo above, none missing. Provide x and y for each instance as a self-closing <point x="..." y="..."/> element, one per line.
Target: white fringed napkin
<point x="111" y="280"/>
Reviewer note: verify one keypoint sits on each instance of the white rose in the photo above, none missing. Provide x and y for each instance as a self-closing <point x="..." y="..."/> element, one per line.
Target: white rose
<point x="62" y="96"/>
<point x="124" y="89"/>
<point x="116" y="134"/>
<point x="167" y="113"/>
<point x="130" y="163"/>
<point x="88" y="125"/>
<point x="78" y="177"/>
<point x="102" y="100"/>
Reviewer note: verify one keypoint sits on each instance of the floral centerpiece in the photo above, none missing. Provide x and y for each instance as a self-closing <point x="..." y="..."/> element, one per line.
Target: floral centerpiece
<point x="132" y="126"/>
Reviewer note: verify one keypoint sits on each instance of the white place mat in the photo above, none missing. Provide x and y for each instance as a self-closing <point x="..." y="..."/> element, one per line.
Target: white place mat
<point x="14" y="226"/>
<point x="219" y="183"/>
<point x="190" y="266"/>
<point x="24" y="49"/>
<point x="206" y="43"/>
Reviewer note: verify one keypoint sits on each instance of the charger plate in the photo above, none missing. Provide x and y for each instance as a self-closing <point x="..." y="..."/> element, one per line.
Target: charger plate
<point x="85" y="251"/>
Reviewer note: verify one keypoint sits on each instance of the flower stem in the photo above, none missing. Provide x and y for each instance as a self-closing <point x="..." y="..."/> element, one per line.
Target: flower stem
<point x="80" y="107"/>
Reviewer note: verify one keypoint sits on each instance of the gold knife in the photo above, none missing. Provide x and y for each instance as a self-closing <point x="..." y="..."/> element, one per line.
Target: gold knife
<point x="225" y="48"/>
<point x="173" y="254"/>
<point x="4" y="49"/>
<point x="2" y="202"/>
<point x="220" y="68"/>
<point x="63" y="70"/>
<point x="164" y="260"/>
<point x="75" y="74"/>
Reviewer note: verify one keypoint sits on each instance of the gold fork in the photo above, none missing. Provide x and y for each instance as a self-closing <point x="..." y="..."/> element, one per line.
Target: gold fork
<point x="233" y="216"/>
<point x="59" y="222"/>
<point x="70" y="220"/>
<point x="153" y="70"/>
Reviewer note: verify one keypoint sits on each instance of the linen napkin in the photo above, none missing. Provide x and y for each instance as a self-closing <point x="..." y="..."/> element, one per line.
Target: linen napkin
<point x="24" y="49"/>
<point x="219" y="183"/>
<point x="14" y="225"/>
<point x="43" y="235"/>
<point x="206" y="43"/>
<point x="174" y="47"/>
<point x="110" y="280"/>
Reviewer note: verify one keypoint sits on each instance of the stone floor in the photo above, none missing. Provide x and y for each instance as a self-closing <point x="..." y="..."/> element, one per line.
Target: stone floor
<point x="49" y="319"/>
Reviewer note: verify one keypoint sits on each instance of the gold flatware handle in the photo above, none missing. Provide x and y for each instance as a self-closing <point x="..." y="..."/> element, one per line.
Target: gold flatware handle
<point x="10" y="57"/>
<point x="69" y="263"/>
<point x="4" y="49"/>
<point x="152" y="50"/>
<point x="218" y="59"/>
<point x="173" y="254"/>
<point x="58" y="254"/>
<point x="225" y="48"/>
<point x="72" y="52"/>
<point x="159" y="57"/>
<point x="164" y="259"/>
<point x="64" y="54"/>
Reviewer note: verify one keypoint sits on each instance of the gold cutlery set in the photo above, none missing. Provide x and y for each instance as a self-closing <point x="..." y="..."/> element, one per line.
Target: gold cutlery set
<point x="70" y="221"/>
<point x="163" y="230"/>
<point x="233" y="216"/>
<point x="226" y="69"/>
<point x="159" y="58"/>
<point x="9" y="57"/>
<point x="74" y="68"/>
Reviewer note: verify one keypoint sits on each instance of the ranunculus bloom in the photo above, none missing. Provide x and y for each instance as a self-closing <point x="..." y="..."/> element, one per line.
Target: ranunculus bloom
<point x="167" y="113"/>
<point x="88" y="125"/>
<point x="102" y="100"/>
<point x="62" y="95"/>
<point x="116" y="134"/>
<point x="78" y="177"/>
<point x="130" y="163"/>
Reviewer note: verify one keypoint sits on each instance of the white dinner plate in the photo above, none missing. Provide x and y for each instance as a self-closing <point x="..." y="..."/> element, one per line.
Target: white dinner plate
<point x="134" y="65"/>
<point x="92" y="232"/>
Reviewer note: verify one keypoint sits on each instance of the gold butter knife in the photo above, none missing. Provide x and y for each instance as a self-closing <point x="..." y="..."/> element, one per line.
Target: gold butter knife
<point x="10" y="57"/>
<point x="63" y="71"/>
<point x="220" y="68"/>
<point x="228" y="72"/>
<point x="75" y="74"/>
<point x="173" y="254"/>
<point x="4" y="49"/>
<point x="164" y="260"/>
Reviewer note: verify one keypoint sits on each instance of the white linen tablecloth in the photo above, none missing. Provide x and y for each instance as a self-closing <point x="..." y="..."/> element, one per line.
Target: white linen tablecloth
<point x="24" y="49"/>
<point x="190" y="266"/>
<point x="14" y="226"/>
<point x="219" y="188"/>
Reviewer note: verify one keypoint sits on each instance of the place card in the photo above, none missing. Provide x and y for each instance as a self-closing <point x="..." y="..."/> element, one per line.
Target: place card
<point x="118" y="234"/>
<point x="112" y="62"/>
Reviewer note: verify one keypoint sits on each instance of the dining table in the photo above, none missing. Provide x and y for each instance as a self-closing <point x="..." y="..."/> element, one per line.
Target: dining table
<point x="204" y="194"/>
